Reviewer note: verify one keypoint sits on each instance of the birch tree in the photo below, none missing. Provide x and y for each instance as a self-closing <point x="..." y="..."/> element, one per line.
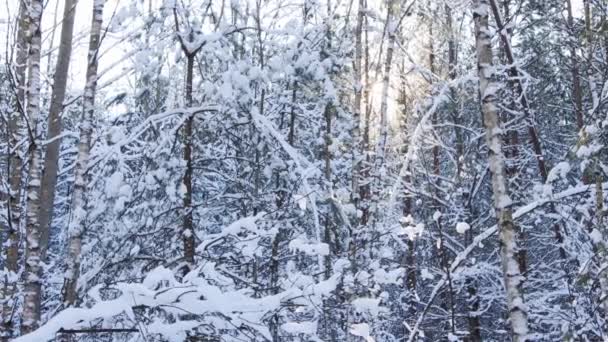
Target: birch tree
<point x="518" y="317"/>
<point x="32" y="272"/>
<point x="271" y="213"/>
<point x="78" y="206"/>
<point x="15" y="168"/>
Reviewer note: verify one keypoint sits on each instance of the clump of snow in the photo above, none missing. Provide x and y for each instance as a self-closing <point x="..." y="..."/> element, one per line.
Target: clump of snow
<point x="113" y="184"/>
<point x="135" y="250"/>
<point x="309" y="328"/>
<point x="411" y="230"/>
<point x="158" y="276"/>
<point x="391" y="277"/>
<point x="365" y="304"/>
<point x="436" y="215"/>
<point x="586" y="151"/>
<point x="425" y="274"/>
<point x="325" y="287"/>
<point x="246" y="223"/>
<point x="596" y="236"/>
<point x="361" y="330"/>
<point x="558" y="171"/>
<point x="462" y="227"/>
<point x="302" y="202"/>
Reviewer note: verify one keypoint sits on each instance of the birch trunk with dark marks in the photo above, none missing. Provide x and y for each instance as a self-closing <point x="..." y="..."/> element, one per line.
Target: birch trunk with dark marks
<point x="78" y="204"/>
<point x="15" y="168"/>
<point x="519" y="89"/>
<point x="32" y="286"/>
<point x="517" y="311"/>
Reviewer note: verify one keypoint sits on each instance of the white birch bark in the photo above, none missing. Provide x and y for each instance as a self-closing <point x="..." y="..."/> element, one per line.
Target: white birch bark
<point x="14" y="173"/>
<point x="518" y="318"/>
<point x="78" y="203"/>
<point x="31" y="300"/>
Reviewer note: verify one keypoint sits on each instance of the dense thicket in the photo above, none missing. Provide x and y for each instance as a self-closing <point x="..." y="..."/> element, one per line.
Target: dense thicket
<point x="299" y="170"/>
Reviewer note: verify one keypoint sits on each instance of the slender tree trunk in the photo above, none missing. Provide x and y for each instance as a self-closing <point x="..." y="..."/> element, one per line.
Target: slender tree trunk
<point x="274" y="284"/>
<point x="577" y="95"/>
<point x="519" y="90"/>
<point x="452" y="72"/>
<point x="603" y="254"/>
<point x="358" y="88"/>
<point x="364" y="188"/>
<point x="78" y="204"/>
<point x="327" y="151"/>
<point x="31" y="300"/>
<point x="511" y="138"/>
<point x="22" y="53"/>
<point x="328" y="183"/>
<point x="391" y="28"/>
<point x="473" y="313"/>
<point x="15" y="167"/>
<point x="518" y="317"/>
<point x="187" y="232"/>
<point x="588" y="30"/>
<point x="435" y="151"/>
<point x="292" y="115"/>
<point x="409" y="257"/>
<point x="473" y="322"/>
<point x="515" y="75"/>
<point x="51" y="157"/>
<point x="188" y="228"/>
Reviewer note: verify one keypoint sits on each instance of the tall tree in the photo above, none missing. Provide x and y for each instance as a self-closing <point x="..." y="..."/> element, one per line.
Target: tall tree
<point x="54" y="127"/>
<point x="358" y="87"/>
<point x="518" y="317"/>
<point x="188" y="45"/>
<point x="15" y="168"/>
<point x="32" y="276"/>
<point x="78" y="205"/>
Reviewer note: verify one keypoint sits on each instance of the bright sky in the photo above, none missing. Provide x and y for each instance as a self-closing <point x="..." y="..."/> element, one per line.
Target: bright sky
<point x="8" y="10"/>
<point x="53" y="11"/>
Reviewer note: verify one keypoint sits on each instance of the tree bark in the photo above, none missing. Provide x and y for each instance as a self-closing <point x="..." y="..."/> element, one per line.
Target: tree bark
<point x="358" y="88"/>
<point x="31" y="300"/>
<point x="188" y="222"/>
<point x="391" y="27"/>
<point x="519" y="91"/>
<point x="188" y="229"/>
<point x="364" y="170"/>
<point x="51" y="157"/>
<point x="78" y="205"/>
<point x="517" y="312"/>
<point x="15" y="167"/>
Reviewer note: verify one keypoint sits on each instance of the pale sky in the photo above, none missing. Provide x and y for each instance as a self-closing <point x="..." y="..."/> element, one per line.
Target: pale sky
<point x="8" y="9"/>
<point x="81" y="30"/>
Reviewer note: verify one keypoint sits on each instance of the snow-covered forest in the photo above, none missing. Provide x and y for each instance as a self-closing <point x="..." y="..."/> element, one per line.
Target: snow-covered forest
<point x="304" y="170"/>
